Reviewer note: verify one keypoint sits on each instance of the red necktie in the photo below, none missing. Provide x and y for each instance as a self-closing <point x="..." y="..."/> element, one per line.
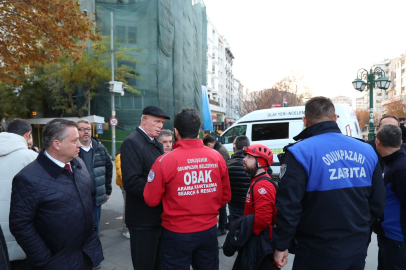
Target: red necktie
<point x="67" y="166"/>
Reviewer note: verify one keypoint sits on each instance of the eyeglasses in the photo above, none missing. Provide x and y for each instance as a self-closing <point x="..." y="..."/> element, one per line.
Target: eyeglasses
<point x="84" y="129"/>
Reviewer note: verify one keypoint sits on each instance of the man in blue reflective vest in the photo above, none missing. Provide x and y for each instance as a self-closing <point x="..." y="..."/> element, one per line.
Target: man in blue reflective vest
<point x="331" y="191"/>
<point x="392" y="241"/>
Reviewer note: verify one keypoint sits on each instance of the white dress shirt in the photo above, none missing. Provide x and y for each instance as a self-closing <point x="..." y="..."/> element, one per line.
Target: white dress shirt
<point x="147" y="134"/>
<point x="87" y="149"/>
<point x="57" y="162"/>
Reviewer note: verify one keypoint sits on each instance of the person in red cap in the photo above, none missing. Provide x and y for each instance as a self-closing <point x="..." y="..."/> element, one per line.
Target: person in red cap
<point x="261" y="193"/>
<point x="193" y="184"/>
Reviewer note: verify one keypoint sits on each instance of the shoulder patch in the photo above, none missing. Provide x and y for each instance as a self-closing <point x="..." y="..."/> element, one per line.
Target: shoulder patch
<point x="151" y="176"/>
<point x="262" y="191"/>
<point x="282" y="170"/>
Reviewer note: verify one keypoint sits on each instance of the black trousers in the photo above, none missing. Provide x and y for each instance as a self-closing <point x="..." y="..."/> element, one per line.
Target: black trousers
<point x="222" y="218"/>
<point x="145" y="248"/>
<point x="392" y="254"/>
<point x="304" y="260"/>
<point x="199" y="249"/>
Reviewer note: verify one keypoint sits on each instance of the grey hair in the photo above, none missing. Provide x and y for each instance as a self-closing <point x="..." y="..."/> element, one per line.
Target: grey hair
<point x="84" y="121"/>
<point x="165" y="133"/>
<point x="390" y="136"/>
<point x="56" y="130"/>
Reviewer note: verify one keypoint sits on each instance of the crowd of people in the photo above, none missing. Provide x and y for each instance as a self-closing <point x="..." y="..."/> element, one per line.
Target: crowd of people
<point x="332" y="192"/>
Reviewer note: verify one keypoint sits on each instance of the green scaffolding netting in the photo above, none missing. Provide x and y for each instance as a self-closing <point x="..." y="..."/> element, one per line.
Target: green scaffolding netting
<point x="173" y="37"/>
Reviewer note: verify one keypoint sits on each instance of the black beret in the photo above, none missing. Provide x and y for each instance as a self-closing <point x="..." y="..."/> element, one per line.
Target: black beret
<point x="155" y="111"/>
<point x="402" y="119"/>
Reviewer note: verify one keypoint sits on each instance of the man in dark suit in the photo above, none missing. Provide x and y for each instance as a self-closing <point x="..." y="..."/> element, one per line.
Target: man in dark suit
<point x="51" y="212"/>
<point x="376" y="226"/>
<point x="138" y="153"/>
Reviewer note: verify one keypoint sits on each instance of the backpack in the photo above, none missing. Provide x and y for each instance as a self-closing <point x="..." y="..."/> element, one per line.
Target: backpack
<point x="274" y="182"/>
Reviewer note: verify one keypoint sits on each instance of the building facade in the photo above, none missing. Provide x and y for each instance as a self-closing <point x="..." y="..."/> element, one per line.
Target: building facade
<point x="237" y="99"/>
<point x="342" y="100"/>
<point x="230" y="115"/>
<point x="360" y="104"/>
<point x="219" y="78"/>
<point x="397" y="89"/>
<point x="169" y="41"/>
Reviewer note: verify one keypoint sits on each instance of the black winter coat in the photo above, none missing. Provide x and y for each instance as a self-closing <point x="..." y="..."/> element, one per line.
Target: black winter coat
<point x="102" y="171"/>
<point x="4" y="260"/>
<point x="403" y="128"/>
<point x="222" y="150"/>
<point x="51" y="215"/>
<point x="239" y="180"/>
<point x="138" y="154"/>
<point x="380" y="161"/>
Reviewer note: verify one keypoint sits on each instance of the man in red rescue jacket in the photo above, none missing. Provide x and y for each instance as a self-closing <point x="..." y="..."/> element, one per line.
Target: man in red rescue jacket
<point x="261" y="194"/>
<point x="192" y="182"/>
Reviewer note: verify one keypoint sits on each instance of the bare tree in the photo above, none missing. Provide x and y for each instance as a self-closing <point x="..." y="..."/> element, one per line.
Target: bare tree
<point x="291" y="87"/>
<point x="396" y="108"/>
<point x="363" y="117"/>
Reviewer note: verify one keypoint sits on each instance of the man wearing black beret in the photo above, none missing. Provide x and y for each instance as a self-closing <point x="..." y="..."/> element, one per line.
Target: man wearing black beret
<point x="138" y="153"/>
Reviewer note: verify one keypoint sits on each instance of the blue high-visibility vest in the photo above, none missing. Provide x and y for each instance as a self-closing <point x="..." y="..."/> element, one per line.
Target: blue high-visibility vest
<point x="335" y="161"/>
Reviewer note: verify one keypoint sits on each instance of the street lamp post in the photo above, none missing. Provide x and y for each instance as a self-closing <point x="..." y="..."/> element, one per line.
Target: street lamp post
<point x="382" y="83"/>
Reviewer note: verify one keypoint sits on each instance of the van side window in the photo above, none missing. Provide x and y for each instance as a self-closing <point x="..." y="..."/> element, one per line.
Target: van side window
<point x="270" y="131"/>
<point x="232" y="133"/>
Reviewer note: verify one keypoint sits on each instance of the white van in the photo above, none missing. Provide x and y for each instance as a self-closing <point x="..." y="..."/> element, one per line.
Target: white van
<point x="276" y="128"/>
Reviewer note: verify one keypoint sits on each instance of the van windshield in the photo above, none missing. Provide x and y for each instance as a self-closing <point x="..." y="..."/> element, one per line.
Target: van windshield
<point x="232" y="133"/>
<point x="270" y="131"/>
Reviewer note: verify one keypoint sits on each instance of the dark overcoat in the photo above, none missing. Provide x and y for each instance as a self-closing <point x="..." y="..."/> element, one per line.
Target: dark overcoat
<point x="51" y="215"/>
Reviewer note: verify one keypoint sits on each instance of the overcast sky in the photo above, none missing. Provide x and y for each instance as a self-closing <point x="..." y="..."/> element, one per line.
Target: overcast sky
<point x="327" y="41"/>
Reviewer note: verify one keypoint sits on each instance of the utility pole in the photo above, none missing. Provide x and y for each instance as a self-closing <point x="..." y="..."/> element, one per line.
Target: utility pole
<point x="113" y="112"/>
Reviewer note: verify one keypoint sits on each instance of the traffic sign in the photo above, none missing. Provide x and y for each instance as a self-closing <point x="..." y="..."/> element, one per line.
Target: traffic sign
<point x="99" y="128"/>
<point x="113" y="122"/>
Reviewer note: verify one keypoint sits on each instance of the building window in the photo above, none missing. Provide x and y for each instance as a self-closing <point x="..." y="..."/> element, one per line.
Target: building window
<point x="132" y="35"/>
<point x="213" y="68"/>
<point x="120" y="32"/>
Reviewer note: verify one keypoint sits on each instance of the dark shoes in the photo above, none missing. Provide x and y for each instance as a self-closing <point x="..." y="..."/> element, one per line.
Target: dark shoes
<point x="221" y="232"/>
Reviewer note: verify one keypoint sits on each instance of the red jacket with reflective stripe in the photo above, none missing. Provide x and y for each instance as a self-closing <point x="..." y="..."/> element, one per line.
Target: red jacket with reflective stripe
<point x="264" y="205"/>
<point x="192" y="182"/>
